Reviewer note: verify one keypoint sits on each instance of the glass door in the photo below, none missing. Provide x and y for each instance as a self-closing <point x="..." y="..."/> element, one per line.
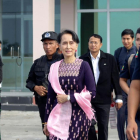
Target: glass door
<point x="17" y="51"/>
<point x="11" y="52"/>
<point x="17" y="44"/>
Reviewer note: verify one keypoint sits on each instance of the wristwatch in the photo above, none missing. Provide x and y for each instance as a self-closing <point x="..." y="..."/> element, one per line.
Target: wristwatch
<point x="68" y="98"/>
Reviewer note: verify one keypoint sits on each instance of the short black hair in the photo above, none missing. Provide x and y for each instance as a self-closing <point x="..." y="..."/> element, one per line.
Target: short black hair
<point x="96" y="36"/>
<point x="127" y="32"/>
<point x="73" y="34"/>
<point x="138" y="31"/>
<point x="0" y="42"/>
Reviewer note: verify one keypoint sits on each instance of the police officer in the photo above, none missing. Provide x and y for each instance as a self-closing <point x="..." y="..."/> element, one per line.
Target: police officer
<point x="127" y="72"/>
<point x="134" y="100"/>
<point x="120" y="55"/>
<point x="37" y="80"/>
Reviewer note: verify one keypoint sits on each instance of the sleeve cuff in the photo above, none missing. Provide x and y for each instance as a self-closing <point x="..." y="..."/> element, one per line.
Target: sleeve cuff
<point x="118" y="97"/>
<point x="119" y="101"/>
<point x="30" y="86"/>
<point x="33" y="87"/>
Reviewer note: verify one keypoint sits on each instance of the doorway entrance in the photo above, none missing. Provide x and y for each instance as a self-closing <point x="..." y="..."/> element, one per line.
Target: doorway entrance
<point x="17" y="46"/>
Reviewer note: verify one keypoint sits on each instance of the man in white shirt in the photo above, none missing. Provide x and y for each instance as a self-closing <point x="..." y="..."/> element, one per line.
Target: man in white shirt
<point x="106" y="74"/>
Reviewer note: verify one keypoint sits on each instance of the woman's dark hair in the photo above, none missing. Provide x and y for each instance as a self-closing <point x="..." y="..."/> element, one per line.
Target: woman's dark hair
<point x="96" y="36"/>
<point x="0" y="42"/>
<point x="73" y="34"/>
<point x="128" y="32"/>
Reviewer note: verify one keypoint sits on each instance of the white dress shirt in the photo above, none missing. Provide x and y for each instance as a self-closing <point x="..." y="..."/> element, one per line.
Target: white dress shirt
<point x="95" y="66"/>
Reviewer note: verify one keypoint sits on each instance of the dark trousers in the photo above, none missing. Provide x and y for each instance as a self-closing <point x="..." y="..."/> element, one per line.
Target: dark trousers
<point x="92" y="133"/>
<point x="102" y="116"/>
<point x="122" y="118"/>
<point x="41" y="106"/>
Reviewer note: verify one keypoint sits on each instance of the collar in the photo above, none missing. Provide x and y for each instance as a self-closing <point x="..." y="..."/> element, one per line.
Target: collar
<point x="132" y="48"/>
<point x="102" y="54"/>
<point x="54" y="56"/>
<point x="98" y="56"/>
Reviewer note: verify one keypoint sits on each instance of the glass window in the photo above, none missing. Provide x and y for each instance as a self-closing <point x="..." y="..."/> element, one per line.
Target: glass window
<point x="11" y="6"/>
<point x="17" y="6"/>
<point x="125" y="22"/>
<point x="124" y="4"/>
<point x="89" y="23"/>
<point x="28" y="38"/>
<point x="8" y="26"/>
<point x="57" y="16"/>
<point x="91" y="4"/>
<point x="27" y="6"/>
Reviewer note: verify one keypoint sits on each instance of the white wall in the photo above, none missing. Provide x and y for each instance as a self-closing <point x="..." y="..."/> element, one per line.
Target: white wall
<point x="68" y="14"/>
<point x="43" y="20"/>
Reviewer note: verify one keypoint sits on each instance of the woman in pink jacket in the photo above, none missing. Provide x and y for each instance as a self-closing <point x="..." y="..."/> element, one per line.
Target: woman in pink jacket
<point x="72" y="85"/>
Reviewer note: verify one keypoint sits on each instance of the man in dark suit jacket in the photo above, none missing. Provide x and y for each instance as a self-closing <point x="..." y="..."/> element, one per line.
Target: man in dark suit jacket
<point x="106" y="74"/>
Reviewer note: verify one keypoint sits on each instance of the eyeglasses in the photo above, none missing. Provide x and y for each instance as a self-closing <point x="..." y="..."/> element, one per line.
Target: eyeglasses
<point x="95" y="43"/>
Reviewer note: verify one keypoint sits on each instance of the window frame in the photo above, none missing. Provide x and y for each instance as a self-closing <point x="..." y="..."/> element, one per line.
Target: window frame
<point x="108" y="10"/>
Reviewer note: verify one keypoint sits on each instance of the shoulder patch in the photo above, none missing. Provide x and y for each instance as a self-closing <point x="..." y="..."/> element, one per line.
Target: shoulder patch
<point x="137" y="54"/>
<point x="122" y="67"/>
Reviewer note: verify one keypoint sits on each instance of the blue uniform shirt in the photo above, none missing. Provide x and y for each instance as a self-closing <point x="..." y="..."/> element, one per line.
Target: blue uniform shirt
<point x="124" y="73"/>
<point x="136" y="74"/>
<point x="124" y="53"/>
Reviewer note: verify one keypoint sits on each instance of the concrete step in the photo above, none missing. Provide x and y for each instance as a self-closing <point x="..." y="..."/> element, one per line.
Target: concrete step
<point x="16" y="100"/>
<point x="19" y="107"/>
